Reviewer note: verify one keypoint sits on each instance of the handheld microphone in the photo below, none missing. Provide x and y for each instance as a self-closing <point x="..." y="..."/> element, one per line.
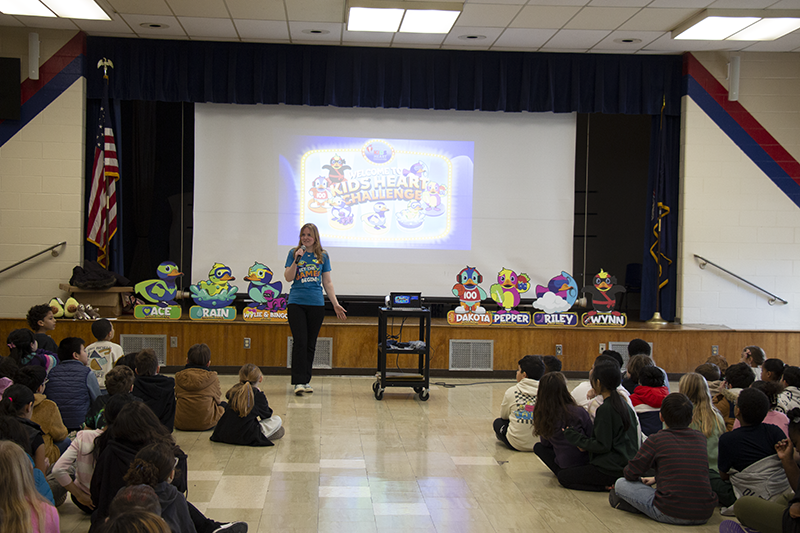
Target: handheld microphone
<point x="302" y="247"/>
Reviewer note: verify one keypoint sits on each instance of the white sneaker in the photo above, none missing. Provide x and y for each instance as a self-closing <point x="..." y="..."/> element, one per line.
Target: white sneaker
<point x="299" y="389"/>
<point x="308" y="388"/>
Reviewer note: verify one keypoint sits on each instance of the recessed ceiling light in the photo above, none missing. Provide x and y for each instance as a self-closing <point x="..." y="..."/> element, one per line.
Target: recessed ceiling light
<point x="31" y="8"/>
<point x="767" y="29"/>
<point x="153" y="25"/>
<point x="77" y="9"/>
<point x="428" y="21"/>
<point x="374" y="19"/>
<point x="315" y="32"/>
<point x="627" y="41"/>
<point x="472" y="37"/>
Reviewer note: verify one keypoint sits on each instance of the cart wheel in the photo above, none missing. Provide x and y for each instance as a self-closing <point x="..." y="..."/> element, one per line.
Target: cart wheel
<point x="375" y="386"/>
<point x="424" y="395"/>
<point x="418" y="390"/>
<point x="379" y="394"/>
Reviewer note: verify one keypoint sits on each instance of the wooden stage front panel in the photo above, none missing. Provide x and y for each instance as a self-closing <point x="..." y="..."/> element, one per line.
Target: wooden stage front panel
<point x="677" y="349"/>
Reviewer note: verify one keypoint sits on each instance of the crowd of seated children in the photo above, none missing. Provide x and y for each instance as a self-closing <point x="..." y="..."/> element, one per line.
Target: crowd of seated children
<point x="41" y="320"/>
<point x="197" y="392"/>
<point x="514" y="428"/>
<point x="781" y="515"/>
<point x="635" y="365"/>
<point x="737" y="378"/>
<point x="678" y="455"/>
<point x="119" y="380"/>
<point x="614" y="438"/>
<point x="23" y="350"/>
<point x="771" y="390"/>
<point x="156" y="390"/>
<point x="708" y="421"/>
<point x="647" y="398"/>
<point x="789" y="398"/>
<point x="22" y="508"/>
<point x="551" y="363"/>
<point x="75" y="467"/>
<point x="556" y="410"/>
<point x="103" y="353"/>
<point x="45" y="413"/>
<point x="248" y="419"/>
<point x="747" y="456"/>
<point x="754" y="357"/>
<point x="71" y="384"/>
<point x="12" y="430"/>
<point x="772" y="370"/>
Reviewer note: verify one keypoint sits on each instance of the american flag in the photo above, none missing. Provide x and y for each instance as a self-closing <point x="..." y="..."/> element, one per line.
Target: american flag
<point x="102" y="224"/>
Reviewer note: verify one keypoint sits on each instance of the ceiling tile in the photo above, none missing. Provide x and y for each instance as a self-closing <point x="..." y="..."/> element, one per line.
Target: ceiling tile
<point x="579" y="3"/>
<point x="262" y="29"/>
<point x="171" y="26"/>
<point x="200" y="27"/>
<point x="544" y="17"/>
<point x="367" y="38"/>
<point x="95" y="27"/>
<point x="198" y="8"/>
<point x="601" y="18"/>
<point x="523" y="39"/>
<point x="645" y="38"/>
<point x="457" y="37"/>
<point x="657" y="19"/>
<point x="8" y="20"/>
<point x="50" y="23"/>
<point x="299" y="32"/>
<point x="786" y="4"/>
<point x="667" y="44"/>
<point x="787" y="43"/>
<point x="315" y="10"/>
<point x="691" y="4"/>
<point x="487" y="15"/>
<point x="575" y="39"/>
<point x="508" y="2"/>
<point x="418" y="39"/>
<point x="141" y="7"/>
<point x="261" y="10"/>
<point x="619" y="3"/>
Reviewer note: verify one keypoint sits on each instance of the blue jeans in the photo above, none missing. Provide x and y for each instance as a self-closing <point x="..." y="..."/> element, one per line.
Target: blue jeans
<point x="641" y="496"/>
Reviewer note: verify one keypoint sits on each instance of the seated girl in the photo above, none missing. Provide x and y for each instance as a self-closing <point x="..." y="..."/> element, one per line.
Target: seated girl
<point x="555" y="410"/>
<point x="248" y="419"/>
<point x="24" y="350"/>
<point x="22" y="508"/>
<point x="18" y="402"/>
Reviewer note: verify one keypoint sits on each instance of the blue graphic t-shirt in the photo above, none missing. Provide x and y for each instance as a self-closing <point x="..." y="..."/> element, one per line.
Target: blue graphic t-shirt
<point x="307" y="284"/>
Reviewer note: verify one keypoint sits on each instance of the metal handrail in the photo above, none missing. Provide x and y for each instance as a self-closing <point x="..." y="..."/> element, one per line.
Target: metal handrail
<point x="54" y="253"/>
<point x="771" y="301"/>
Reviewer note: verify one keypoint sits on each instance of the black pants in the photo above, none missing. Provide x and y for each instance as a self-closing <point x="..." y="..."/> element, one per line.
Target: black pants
<point x="586" y="477"/>
<point x="500" y="429"/>
<point x="548" y="456"/>
<point x="305" y="322"/>
<point x="201" y="523"/>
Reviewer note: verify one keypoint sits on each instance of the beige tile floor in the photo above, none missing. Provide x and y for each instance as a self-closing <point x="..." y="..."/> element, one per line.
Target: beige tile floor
<point x="349" y="463"/>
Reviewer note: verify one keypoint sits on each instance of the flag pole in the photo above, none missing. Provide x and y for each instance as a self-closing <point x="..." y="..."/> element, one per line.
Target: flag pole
<point x="104" y="64"/>
<point x="656" y="319"/>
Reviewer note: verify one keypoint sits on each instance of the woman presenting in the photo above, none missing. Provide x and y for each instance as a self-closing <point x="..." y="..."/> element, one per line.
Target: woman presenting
<point x="308" y="267"/>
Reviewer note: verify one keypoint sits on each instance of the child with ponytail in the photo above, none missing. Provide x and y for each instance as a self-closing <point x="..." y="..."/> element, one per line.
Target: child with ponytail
<point x="23" y="349"/>
<point x="614" y="439"/>
<point x="248" y="419"/>
<point x="18" y="403"/>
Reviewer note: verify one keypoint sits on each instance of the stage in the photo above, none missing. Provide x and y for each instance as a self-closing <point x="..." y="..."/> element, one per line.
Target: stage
<point x="676" y="348"/>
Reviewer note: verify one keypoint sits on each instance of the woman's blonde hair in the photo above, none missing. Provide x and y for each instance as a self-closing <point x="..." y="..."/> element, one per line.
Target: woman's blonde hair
<point x="705" y="417"/>
<point x="317" y="248"/>
<point x="19" y="495"/>
<point x="241" y="397"/>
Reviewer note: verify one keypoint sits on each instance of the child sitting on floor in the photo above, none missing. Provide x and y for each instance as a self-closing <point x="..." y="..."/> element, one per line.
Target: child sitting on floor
<point x="737" y="378"/>
<point x="772" y="370"/>
<point x="72" y="385"/>
<point x="23" y="350"/>
<point x="754" y="356"/>
<point x="248" y="419"/>
<point x="45" y="413"/>
<point x="514" y="428"/>
<point x="22" y="508"/>
<point x="647" y="398"/>
<point x="198" y="392"/>
<point x="41" y="320"/>
<point x="103" y="354"/>
<point x="790" y="397"/>
<point x="774" y="417"/>
<point x="156" y="390"/>
<point x="678" y="454"/>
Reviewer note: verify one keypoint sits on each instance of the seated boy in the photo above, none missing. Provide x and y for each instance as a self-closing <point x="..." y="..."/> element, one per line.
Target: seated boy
<point x="747" y="454"/>
<point x="514" y="428"/>
<point x="647" y="398"/>
<point x="198" y="392"/>
<point x="790" y="397"/>
<point x="679" y="457"/>
<point x="551" y="363"/>
<point x="41" y="320"/>
<point x="45" y="412"/>
<point x="157" y="391"/>
<point x="737" y="378"/>
<point x="103" y="354"/>
<point x="774" y="417"/>
<point x="71" y="384"/>
<point x="754" y="356"/>
<point x="119" y="380"/>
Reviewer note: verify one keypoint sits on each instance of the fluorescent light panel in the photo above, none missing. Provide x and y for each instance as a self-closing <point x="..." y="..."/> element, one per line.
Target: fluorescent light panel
<point x="767" y="29"/>
<point x="428" y="21"/>
<point x="31" y="8"/>
<point x="716" y="28"/>
<point x="70" y="9"/>
<point x="374" y="19"/>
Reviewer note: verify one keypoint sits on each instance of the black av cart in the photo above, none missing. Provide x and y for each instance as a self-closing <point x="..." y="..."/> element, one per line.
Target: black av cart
<point x="417" y="378"/>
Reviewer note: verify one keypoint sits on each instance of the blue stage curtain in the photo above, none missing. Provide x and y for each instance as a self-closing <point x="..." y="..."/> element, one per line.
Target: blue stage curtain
<point x="248" y="73"/>
<point x="663" y="186"/>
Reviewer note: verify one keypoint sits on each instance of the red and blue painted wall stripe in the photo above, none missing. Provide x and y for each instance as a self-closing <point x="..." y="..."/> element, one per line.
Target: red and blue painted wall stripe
<point x="742" y="128"/>
<point x="56" y="75"/>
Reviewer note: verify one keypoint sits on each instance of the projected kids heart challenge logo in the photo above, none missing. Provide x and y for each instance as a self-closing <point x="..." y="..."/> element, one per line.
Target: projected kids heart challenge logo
<point x="382" y="193"/>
